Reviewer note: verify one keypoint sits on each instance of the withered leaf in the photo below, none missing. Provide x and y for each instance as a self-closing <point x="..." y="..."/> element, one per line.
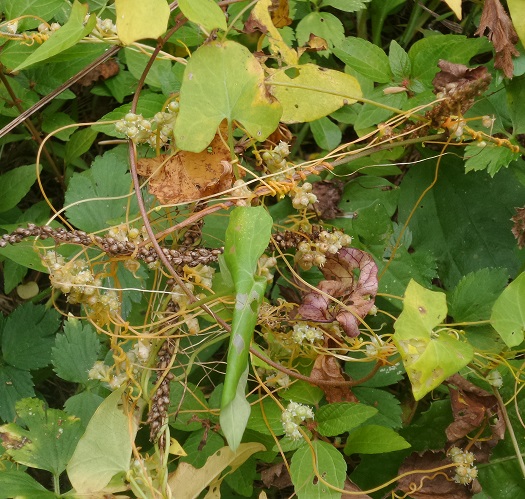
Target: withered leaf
<point x="472" y="408"/>
<point x="518" y="229"/>
<point x="352" y="487"/>
<point x="428" y="484"/>
<point x="501" y="33"/>
<point x="453" y="76"/>
<point x="276" y="476"/>
<point x="358" y="294"/>
<point x="188" y="176"/>
<point x="103" y="71"/>
<point x="327" y="368"/>
<point x="279" y="11"/>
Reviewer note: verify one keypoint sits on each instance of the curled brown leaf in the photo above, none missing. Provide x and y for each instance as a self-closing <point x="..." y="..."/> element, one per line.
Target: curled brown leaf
<point x="351" y="277"/>
<point x="518" y="229"/>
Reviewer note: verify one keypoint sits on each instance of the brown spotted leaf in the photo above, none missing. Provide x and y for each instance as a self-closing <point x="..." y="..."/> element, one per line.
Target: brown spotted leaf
<point x="351" y="277"/>
<point x="518" y="229"/>
<point x="501" y="33"/>
<point x="188" y="176"/>
<point x="328" y="193"/>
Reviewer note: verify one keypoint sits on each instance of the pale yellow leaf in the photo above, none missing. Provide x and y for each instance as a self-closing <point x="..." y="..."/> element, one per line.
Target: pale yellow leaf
<point x="517" y="13"/>
<point x="176" y="448"/>
<point x="138" y="19"/>
<point x="261" y="14"/>
<point x="455" y="6"/>
<point x="309" y="92"/>
<point x="193" y="481"/>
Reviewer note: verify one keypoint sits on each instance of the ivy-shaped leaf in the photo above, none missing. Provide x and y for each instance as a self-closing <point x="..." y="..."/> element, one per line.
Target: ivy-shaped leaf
<point x="337" y="418"/>
<point x="429" y="357"/>
<point x="240" y="97"/>
<point x="137" y="19"/>
<point x="490" y="157"/>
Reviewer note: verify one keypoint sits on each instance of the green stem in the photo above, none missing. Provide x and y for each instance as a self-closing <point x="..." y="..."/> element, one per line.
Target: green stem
<point x="56" y="483"/>
<point x="418" y="18"/>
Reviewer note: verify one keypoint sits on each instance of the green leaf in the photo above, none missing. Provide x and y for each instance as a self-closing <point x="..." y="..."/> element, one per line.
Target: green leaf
<point x="337" y="418"/>
<point x="76" y="351"/>
<point x="459" y="200"/>
<point x="388" y="405"/>
<point x="20" y="485"/>
<point x="50" y="438"/>
<point x="184" y="402"/>
<point x="365" y="58"/>
<point x="372" y="114"/>
<point x="266" y="418"/>
<point x="327" y="134"/>
<point x="473" y="297"/>
<point x="29" y="336"/>
<point x="385" y="376"/>
<point x="83" y="405"/>
<point x="309" y="92"/>
<point x="15" y="185"/>
<point x="79" y="143"/>
<point x="489" y="157"/>
<point x="515" y="92"/>
<point x="303" y="392"/>
<point x="330" y="465"/>
<point x="106" y="179"/>
<point x="45" y="9"/>
<point x="54" y="121"/>
<point x="137" y="61"/>
<point x="429" y="357"/>
<point x="243" y="478"/>
<point x="373" y="439"/>
<point x="322" y="24"/>
<point x="400" y="64"/>
<point x="24" y="254"/>
<point x="197" y="454"/>
<point x="105" y="448"/>
<point x="137" y="19"/>
<point x="13" y="275"/>
<point x="205" y="13"/>
<point x="67" y="36"/>
<point x="15" y="384"/>
<point x="517" y="13"/>
<point x="241" y="96"/>
<point x="508" y="313"/>
<point x="346" y="5"/>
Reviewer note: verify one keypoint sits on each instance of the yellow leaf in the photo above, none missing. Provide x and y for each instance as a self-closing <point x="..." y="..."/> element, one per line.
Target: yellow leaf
<point x="176" y="448"/>
<point x="193" y="481"/>
<point x="138" y="19"/>
<point x="517" y="13"/>
<point x="261" y="14"/>
<point x="309" y="92"/>
<point x="455" y="6"/>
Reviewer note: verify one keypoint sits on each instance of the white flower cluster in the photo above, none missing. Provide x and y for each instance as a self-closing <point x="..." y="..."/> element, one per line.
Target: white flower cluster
<point x="266" y="265"/>
<point x="293" y="416"/>
<point x="48" y="29"/>
<point x="303" y="332"/>
<point x="104" y="28"/>
<point x="314" y="253"/>
<point x="77" y="281"/>
<point x="156" y="132"/>
<point x="275" y="160"/>
<point x="242" y="192"/>
<point x="465" y="471"/>
<point x="495" y="379"/>
<point x="303" y="196"/>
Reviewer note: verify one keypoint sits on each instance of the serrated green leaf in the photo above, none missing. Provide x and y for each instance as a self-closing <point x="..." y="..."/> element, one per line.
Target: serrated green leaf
<point x="44" y="9"/>
<point x="15" y="185"/>
<point x="429" y="357"/>
<point x="241" y="97"/>
<point x="50" y="438"/>
<point x="137" y="19"/>
<point x="388" y="406"/>
<point x="197" y="453"/>
<point x="67" y="36"/>
<point x="15" y="384"/>
<point x="105" y="448"/>
<point x="322" y="24"/>
<point x="473" y="297"/>
<point x="329" y="464"/>
<point x="22" y="486"/>
<point x="508" y="313"/>
<point x="205" y="13"/>
<point x="106" y="179"/>
<point x="308" y="92"/>
<point x="346" y="5"/>
<point x="327" y="134"/>
<point x="76" y="351"/>
<point x="365" y="58"/>
<point x="400" y="64"/>
<point x="29" y="336"/>
<point x="373" y="439"/>
<point x="303" y="393"/>
<point x="184" y="401"/>
<point x="489" y="157"/>
<point x="337" y="418"/>
<point x="269" y="414"/>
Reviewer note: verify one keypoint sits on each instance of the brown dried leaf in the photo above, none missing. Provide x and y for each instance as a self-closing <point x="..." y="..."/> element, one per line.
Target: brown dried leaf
<point x="473" y="407"/>
<point x="430" y="484"/>
<point x="454" y="76"/>
<point x="327" y="368"/>
<point x="188" y="176"/>
<point x="276" y="476"/>
<point x="316" y="43"/>
<point x="352" y="487"/>
<point x="501" y="33"/>
<point x="279" y="12"/>
<point x="328" y="194"/>
<point x="357" y="296"/>
<point x="103" y="71"/>
<point x="518" y="229"/>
